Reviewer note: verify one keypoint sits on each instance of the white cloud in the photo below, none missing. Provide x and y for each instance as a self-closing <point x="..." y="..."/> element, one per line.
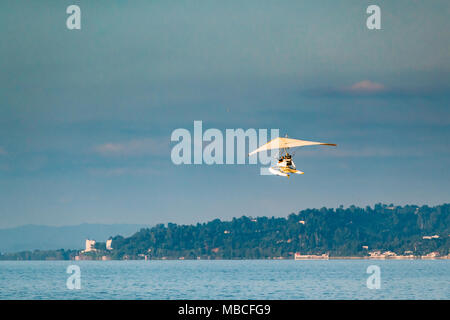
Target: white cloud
<point x="366" y="86"/>
<point x="148" y="146"/>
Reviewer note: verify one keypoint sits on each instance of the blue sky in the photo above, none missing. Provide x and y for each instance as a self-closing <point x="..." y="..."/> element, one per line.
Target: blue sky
<point x="86" y="116"/>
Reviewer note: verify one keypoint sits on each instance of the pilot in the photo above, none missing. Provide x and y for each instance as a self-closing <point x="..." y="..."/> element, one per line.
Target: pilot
<point x="288" y="160"/>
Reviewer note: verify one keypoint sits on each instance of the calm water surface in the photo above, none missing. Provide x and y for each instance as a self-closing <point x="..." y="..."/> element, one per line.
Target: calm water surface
<point x="248" y="279"/>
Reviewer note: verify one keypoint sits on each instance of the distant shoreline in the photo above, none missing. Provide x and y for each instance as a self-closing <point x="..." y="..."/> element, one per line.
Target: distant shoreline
<point x="270" y="259"/>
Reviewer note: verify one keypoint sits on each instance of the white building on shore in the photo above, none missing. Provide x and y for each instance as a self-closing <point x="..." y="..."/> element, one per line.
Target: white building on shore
<point x="90" y="246"/>
<point x="108" y="244"/>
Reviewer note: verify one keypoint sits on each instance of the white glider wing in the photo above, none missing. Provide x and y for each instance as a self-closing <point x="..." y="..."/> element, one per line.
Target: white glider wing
<point x="284" y="143"/>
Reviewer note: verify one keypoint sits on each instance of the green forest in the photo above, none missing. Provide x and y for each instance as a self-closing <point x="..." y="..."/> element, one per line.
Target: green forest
<point x="351" y="231"/>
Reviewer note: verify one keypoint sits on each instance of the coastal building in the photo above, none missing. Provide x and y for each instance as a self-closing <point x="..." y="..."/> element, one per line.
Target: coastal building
<point x="378" y="255"/>
<point x="90" y="246"/>
<point x="299" y="256"/>
<point x="83" y="257"/>
<point x="108" y="244"/>
<point x="408" y="255"/>
<point x="431" y="237"/>
<point x="375" y="254"/>
<point x="431" y="255"/>
<point x="389" y="254"/>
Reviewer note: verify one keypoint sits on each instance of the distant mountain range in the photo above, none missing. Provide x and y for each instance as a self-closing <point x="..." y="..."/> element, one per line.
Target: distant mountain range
<point x="31" y="237"/>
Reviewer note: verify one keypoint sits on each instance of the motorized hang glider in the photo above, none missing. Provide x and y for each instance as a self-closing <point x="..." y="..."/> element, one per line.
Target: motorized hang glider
<point x="285" y="166"/>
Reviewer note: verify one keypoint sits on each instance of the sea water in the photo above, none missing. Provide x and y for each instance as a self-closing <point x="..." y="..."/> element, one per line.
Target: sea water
<point x="226" y="279"/>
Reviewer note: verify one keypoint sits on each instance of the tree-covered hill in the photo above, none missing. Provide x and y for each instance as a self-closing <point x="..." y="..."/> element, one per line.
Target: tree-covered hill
<point x="339" y="232"/>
